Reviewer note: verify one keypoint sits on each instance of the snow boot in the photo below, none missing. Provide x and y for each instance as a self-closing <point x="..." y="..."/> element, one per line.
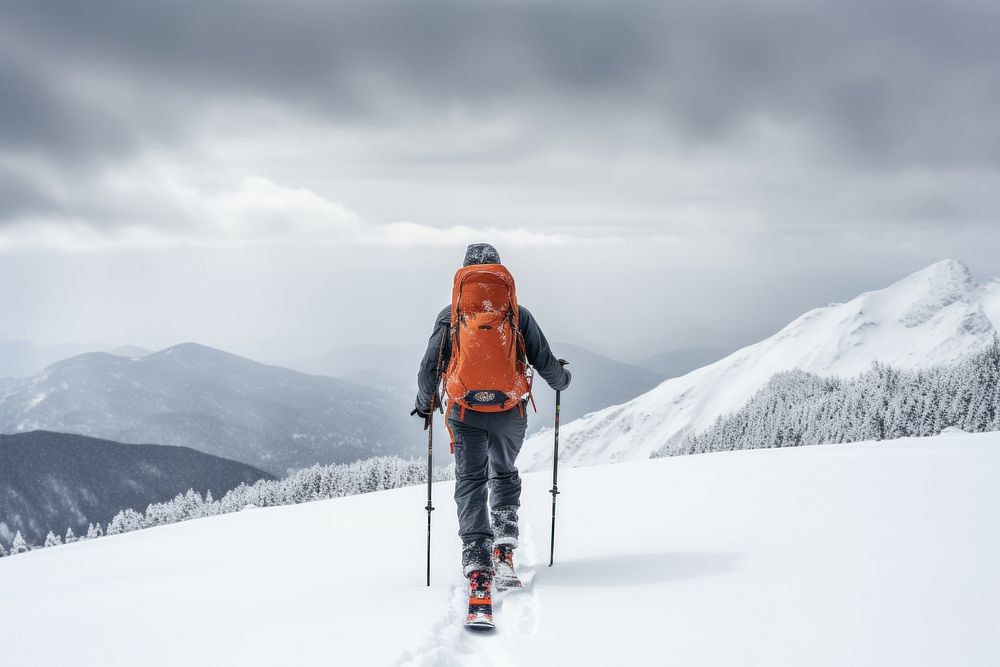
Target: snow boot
<point x="480" y="601"/>
<point x="503" y="566"/>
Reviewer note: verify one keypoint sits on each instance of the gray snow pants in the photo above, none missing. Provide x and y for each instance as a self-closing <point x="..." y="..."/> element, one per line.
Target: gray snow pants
<point x="486" y="447"/>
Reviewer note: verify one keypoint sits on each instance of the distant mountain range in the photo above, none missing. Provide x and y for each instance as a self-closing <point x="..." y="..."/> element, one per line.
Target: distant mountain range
<point x="130" y="351"/>
<point x="675" y="363"/>
<point x="681" y="342"/>
<point x="20" y="359"/>
<point x="937" y="315"/>
<point x="212" y="401"/>
<point x="55" y="481"/>
<point x="598" y="381"/>
<point x="391" y="367"/>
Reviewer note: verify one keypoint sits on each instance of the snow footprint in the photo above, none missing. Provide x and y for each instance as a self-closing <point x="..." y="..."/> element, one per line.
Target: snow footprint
<point x="517" y="614"/>
<point x="521" y="609"/>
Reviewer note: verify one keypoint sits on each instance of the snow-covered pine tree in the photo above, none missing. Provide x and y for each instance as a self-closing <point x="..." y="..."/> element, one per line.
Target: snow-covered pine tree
<point x="3" y="552"/>
<point x="70" y="536"/>
<point x="125" y="521"/>
<point x="159" y="514"/>
<point x="19" y="546"/>
<point x="317" y="482"/>
<point x="797" y="408"/>
<point x="192" y="504"/>
<point x="52" y="540"/>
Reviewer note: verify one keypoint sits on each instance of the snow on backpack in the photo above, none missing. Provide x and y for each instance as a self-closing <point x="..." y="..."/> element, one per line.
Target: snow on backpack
<point x="487" y="371"/>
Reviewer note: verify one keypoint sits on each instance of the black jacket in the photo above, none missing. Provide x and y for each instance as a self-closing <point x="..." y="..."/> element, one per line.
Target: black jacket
<point x="536" y="348"/>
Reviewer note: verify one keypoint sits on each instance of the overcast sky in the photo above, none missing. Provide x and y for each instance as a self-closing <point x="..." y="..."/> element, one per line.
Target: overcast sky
<point x="281" y="178"/>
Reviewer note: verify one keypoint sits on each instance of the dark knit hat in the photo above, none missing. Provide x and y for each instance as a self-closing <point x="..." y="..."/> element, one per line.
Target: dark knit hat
<point x="481" y="253"/>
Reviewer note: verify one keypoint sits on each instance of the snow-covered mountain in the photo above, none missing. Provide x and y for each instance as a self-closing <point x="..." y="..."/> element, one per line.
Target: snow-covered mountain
<point x="597" y="383"/>
<point x="55" y="481"/>
<point x="392" y="367"/>
<point x="218" y="403"/>
<point x="936" y="315"/>
<point x="674" y="363"/>
<point x="130" y="351"/>
<point x="20" y="359"/>
<point x="868" y="554"/>
<point x="640" y="349"/>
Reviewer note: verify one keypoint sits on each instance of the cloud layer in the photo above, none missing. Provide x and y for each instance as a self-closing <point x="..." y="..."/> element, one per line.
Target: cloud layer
<point x="862" y="88"/>
<point x="825" y="141"/>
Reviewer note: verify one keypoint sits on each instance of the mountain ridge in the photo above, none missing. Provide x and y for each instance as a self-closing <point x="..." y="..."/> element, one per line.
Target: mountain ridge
<point x="935" y="315"/>
<point x="54" y="481"/>
<point x="602" y="380"/>
<point x="213" y="401"/>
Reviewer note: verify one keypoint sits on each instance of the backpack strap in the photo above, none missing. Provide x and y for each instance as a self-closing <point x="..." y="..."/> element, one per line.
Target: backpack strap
<point x="522" y="355"/>
<point x="451" y="434"/>
<point x="438" y="374"/>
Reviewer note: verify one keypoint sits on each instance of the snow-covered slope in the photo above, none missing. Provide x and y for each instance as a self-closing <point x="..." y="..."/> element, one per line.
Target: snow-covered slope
<point x="598" y="382"/>
<point x="936" y="315"/>
<point x="864" y="554"/>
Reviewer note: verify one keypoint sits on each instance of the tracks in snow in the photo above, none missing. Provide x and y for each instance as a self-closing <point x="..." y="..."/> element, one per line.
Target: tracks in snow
<point x="517" y="613"/>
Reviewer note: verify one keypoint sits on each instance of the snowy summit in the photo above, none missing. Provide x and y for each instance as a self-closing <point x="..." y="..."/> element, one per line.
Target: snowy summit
<point x="937" y="315"/>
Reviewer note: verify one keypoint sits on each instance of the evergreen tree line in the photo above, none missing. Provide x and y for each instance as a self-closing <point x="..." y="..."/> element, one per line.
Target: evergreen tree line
<point x="20" y="545"/>
<point x="319" y="482"/>
<point x="797" y="408"/>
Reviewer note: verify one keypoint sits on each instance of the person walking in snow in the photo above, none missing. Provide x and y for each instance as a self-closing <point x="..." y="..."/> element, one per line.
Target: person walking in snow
<point x="486" y="348"/>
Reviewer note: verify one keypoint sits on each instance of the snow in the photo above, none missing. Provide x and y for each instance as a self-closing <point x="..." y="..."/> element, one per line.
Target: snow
<point x="35" y="400"/>
<point x="862" y="554"/>
<point x="934" y="316"/>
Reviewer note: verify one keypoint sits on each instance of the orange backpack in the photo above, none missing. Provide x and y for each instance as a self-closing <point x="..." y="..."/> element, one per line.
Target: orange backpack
<point x="487" y="371"/>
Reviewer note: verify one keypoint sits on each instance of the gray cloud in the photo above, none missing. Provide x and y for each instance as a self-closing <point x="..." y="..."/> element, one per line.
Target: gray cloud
<point x="21" y="195"/>
<point x="39" y="115"/>
<point x="889" y="82"/>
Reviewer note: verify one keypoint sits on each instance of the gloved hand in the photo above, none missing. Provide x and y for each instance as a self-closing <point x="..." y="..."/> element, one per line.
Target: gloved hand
<point x="567" y="379"/>
<point x="424" y="414"/>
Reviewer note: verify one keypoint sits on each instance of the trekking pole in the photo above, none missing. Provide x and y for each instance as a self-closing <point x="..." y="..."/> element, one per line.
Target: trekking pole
<point x="429" y="425"/>
<point x="555" y="474"/>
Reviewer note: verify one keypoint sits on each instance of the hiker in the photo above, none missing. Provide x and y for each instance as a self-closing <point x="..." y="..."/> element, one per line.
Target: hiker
<point x="488" y="384"/>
